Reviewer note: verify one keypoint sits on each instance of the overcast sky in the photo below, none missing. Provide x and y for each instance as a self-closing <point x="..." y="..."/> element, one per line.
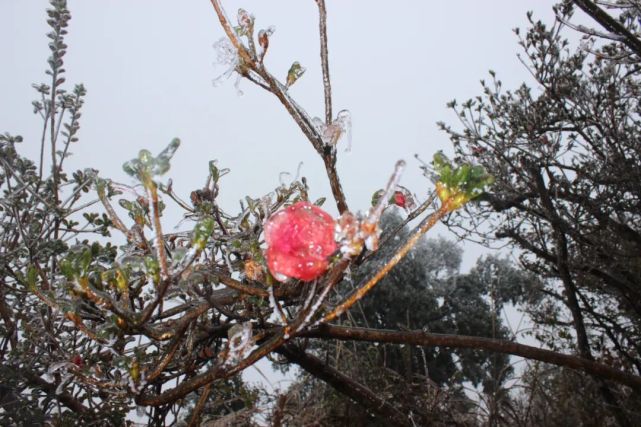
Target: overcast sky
<point x="147" y="66"/>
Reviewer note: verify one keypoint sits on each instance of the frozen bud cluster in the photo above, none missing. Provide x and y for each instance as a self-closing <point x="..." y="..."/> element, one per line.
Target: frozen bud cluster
<point x="299" y="240"/>
<point x="353" y="232"/>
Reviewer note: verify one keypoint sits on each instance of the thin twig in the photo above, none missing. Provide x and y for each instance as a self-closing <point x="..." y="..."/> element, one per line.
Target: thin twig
<point x="322" y="15"/>
<point x="195" y="417"/>
<point x="160" y="241"/>
<point x="299" y="115"/>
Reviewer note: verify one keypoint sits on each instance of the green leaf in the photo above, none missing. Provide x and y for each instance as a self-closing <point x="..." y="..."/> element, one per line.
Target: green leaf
<point x="295" y="72"/>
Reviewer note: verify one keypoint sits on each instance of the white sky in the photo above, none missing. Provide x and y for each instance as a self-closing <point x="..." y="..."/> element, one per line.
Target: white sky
<point x="147" y="66"/>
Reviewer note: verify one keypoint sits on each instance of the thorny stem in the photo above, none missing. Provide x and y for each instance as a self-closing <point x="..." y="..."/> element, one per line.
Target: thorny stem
<point x="342" y="383"/>
<point x="427" y="224"/>
<point x="276" y="304"/>
<point x="241" y="287"/>
<point x="322" y="15"/>
<point x="53" y="136"/>
<point x="42" y="147"/>
<point x="177" y="341"/>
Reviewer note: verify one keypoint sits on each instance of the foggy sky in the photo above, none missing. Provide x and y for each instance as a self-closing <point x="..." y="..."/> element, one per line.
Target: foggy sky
<point x="147" y="66"/>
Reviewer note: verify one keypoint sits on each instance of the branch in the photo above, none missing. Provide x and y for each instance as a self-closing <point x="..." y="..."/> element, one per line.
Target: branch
<point x="299" y="115"/>
<point x="343" y="384"/>
<point x="426" y="339"/>
<point x="65" y="398"/>
<point x="610" y="24"/>
<point x="322" y="15"/>
<point x="362" y="290"/>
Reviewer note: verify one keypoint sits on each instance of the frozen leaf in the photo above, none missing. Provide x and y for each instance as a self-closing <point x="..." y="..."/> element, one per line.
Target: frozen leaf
<point x="161" y="163"/>
<point x="340" y="128"/>
<point x="294" y="73"/>
<point x="146" y="165"/>
<point x="240" y="343"/>
<point x="344" y="123"/>
<point x="202" y="232"/>
<point x="458" y="184"/>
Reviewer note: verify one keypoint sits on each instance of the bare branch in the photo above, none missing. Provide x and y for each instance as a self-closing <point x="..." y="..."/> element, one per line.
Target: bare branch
<point x="427" y="339"/>
<point x="344" y="384"/>
<point x="322" y="15"/>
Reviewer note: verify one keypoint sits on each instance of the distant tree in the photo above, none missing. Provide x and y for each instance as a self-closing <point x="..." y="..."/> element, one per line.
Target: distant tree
<point x="424" y="291"/>
<point x="566" y="157"/>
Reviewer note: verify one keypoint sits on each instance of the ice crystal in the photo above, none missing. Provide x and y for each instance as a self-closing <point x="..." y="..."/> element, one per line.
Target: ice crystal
<point x="226" y="60"/>
<point x="339" y="129"/>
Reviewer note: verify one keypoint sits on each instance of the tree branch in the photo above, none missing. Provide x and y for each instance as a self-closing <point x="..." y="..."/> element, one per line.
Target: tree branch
<point x="422" y="338"/>
<point x="322" y="15"/>
<point x="610" y="24"/>
<point x="343" y="384"/>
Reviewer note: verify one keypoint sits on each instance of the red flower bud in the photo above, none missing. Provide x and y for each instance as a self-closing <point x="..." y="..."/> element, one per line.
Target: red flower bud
<point x="399" y="199"/>
<point x="77" y="360"/>
<point x="299" y="240"/>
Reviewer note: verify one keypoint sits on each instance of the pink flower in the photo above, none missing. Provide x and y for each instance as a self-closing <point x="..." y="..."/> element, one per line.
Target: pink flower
<point x="299" y="240"/>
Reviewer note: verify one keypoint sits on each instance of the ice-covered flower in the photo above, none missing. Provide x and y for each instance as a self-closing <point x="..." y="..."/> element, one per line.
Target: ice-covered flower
<point x="299" y="240"/>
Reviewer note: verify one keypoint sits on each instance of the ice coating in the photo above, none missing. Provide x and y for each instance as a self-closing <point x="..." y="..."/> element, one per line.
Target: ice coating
<point x="299" y="240"/>
<point x="240" y="343"/>
<point x="339" y="129"/>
